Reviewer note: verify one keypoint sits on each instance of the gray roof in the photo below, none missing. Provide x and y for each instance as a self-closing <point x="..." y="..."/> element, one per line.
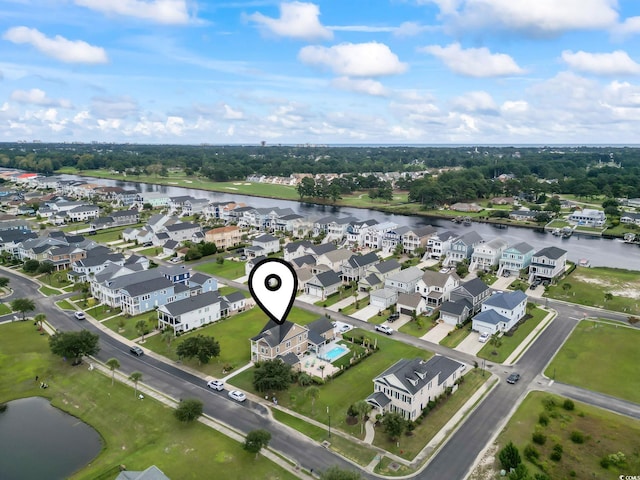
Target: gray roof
<point x="379" y="398"/>
<point x="323" y="248"/>
<point x="414" y="374"/>
<point x="446" y="235"/>
<point x="522" y="247"/>
<point x="491" y="317"/>
<point x="470" y="238"/>
<point x="409" y="299"/>
<point x="550" y="252"/>
<point x="475" y="287"/>
<point x="192" y="303"/>
<point x="153" y="285"/>
<point x="320" y="325"/>
<point x="506" y="300"/>
<point x="293" y="246"/>
<point x="363" y="260"/>
<point x="455" y="308"/>
<point x="265" y="238"/>
<point x="388" y="265"/>
<point x="199" y="278"/>
<point x="84" y="208"/>
<point x="304" y="260"/>
<point x="100" y="259"/>
<point x="234" y="297"/>
<point x="384" y="293"/>
<point x="151" y="473"/>
<point x="289" y="358"/>
<point x="328" y="278"/>
<point x="177" y="227"/>
<point x="274" y="334"/>
<point x="407" y="275"/>
<point x="429" y="277"/>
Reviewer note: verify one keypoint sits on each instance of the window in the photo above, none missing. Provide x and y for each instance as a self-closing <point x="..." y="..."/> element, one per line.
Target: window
<point x="288" y="344"/>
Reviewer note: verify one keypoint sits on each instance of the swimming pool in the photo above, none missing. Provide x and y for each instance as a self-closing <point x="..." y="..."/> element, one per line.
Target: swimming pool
<point x="335" y="352"/>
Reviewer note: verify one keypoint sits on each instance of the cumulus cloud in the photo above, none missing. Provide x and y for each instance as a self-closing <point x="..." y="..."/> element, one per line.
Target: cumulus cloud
<point x="514" y="107"/>
<point x="474" y="62"/>
<point x="68" y="51"/>
<point x="370" y="59"/>
<point x="365" y="85"/>
<point x="297" y="20"/>
<point x="170" y="12"/>
<point x="231" y="114"/>
<point x="630" y="26"/>
<point x="113" y="107"/>
<point x="35" y="96"/>
<point x="539" y="17"/>
<point x="480" y="102"/>
<point x="614" y="63"/>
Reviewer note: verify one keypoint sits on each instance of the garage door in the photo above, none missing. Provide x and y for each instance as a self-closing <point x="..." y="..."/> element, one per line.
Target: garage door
<point x="315" y="291"/>
<point x="406" y="311"/>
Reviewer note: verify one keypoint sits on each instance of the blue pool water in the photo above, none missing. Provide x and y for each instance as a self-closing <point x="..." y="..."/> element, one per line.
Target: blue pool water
<point x="335" y="352"/>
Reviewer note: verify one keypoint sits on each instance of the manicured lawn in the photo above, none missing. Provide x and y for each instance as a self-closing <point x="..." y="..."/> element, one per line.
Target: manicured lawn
<point x="455" y="336"/>
<point x="4" y="309"/>
<point x="233" y="334"/>
<point x="47" y="292"/>
<point x="150" y="252"/>
<point x="355" y="306"/>
<point x="418" y="329"/>
<point x="332" y="299"/>
<point x="622" y="228"/>
<point x="509" y="344"/>
<point x="129" y="330"/>
<point x="101" y="312"/>
<point x="604" y="433"/>
<point x="111" y="234"/>
<point x="557" y="223"/>
<point x="65" y="305"/>
<point x="437" y="418"/>
<point x="602" y="357"/>
<point x="56" y="280"/>
<point x="588" y="286"/>
<point x="152" y="435"/>
<point x="229" y="269"/>
<point x="339" y="393"/>
<point x="227" y="290"/>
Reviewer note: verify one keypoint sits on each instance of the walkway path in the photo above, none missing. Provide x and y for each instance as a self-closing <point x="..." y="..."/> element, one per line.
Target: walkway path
<point x="237" y="371"/>
<point x="370" y="432"/>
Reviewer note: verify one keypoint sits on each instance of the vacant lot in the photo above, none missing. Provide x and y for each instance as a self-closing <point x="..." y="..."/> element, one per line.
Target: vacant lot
<point x="229" y="269"/>
<point x="602" y="357"/>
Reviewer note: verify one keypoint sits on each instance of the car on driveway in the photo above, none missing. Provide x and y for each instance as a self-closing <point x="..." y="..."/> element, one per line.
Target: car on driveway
<point x="513" y="378"/>
<point x="79" y="315"/>
<point x="483" y="337"/>
<point x="216" y="385"/>
<point x="237" y="395"/>
<point x="137" y="351"/>
<point x="344" y="328"/>
<point x="384" y="329"/>
<point x="393" y="317"/>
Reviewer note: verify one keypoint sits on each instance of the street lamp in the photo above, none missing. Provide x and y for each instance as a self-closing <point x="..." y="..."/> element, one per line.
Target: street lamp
<point x="483" y="366"/>
<point x="329" y="415"/>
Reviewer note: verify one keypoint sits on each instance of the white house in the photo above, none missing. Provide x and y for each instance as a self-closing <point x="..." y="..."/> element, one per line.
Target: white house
<point x="547" y="264"/>
<point x="323" y="284"/>
<point x="408" y="303"/>
<point x="501" y="312"/>
<point x="383" y="298"/>
<point x="192" y="312"/>
<point x="410" y="384"/>
<point x="263" y="245"/>
<point x="588" y="217"/>
<point x="404" y="281"/>
<point x="436" y="287"/>
<point x="486" y="255"/>
<point x="439" y="244"/>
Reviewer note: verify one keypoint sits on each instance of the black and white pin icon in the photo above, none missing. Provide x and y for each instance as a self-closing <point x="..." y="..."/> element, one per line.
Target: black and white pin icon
<point x="273" y="285"/>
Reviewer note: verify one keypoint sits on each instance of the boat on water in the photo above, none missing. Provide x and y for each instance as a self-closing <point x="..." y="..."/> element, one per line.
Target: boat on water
<point x="629" y="237"/>
<point x="466" y="221"/>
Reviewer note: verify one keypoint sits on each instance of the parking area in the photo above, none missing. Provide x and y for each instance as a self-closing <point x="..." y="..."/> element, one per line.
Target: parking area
<point x="366" y="313"/>
<point x="438" y="332"/>
<point x="471" y="344"/>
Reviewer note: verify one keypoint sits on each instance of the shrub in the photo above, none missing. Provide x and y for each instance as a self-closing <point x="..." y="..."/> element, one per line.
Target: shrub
<point x="617" y="459"/>
<point x="543" y="419"/>
<point x="549" y="403"/>
<point x="531" y="453"/>
<point x="568" y="405"/>
<point x="577" y="437"/>
<point x="604" y="462"/>
<point x="509" y="456"/>
<point x="556" y="454"/>
<point x="539" y="438"/>
<point x="3" y="407"/>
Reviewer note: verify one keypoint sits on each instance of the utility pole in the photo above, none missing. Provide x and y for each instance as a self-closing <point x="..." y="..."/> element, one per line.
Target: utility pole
<point x="329" y="415"/>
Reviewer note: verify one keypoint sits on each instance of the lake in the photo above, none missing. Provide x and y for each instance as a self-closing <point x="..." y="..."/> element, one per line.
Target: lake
<point x="39" y="441"/>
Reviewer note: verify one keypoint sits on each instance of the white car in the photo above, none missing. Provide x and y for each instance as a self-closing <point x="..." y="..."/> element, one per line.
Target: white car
<point x="237" y="395"/>
<point x="79" y="315"/>
<point x="216" y="385"/>
<point x="483" y="337"/>
<point x="345" y="328"/>
<point x="384" y="329"/>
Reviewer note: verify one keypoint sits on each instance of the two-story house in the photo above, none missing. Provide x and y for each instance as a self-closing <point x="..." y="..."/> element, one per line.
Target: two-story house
<point x="515" y="258"/>
<point x="439" y="244"/>
<point x="296" y="249"/>
<point x="263" y="245"/>
<point x="547" y="264"/>
<point x="486" y="255"/>
<point x="356" y="232"/>
<point x="404" y="281"/>
<point x="501" y="312"/>
<point x="416" y="238"/>
<point x="224" y="237"/>
<point x="357" y="265"/>
<point x="375" y="276"/>
<point x="410" y="384"/>
<point x="63" y="256"/>
<point x="588" y="217"/>
<point x="191" y="312"/>
<point x="83" y="213"/>
<point x="145" y="296"/>
<point x="465" y="300"/>
<point x="323" y="284"/>
<point x="436" y="287"/>
<point x="275" y="341"/>
<point x="462" y="247"/>
<point x="333" y="260"/>
<point x="181" y="232"/>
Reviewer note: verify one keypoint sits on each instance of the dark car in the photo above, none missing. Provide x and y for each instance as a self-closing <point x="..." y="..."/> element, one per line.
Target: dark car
<point x="137" y="351"/>
<point x="393" y="317"/>
<point x="513" y="378"/>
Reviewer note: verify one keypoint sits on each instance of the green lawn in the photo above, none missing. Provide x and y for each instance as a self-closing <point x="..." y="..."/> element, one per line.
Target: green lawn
<point x="100" y="312"/>
<point x="604" y="432"/>
<point x="333" y="299"/>
<point x="611" y="354"/>
<point x="233" y="334"/>
<point x="47" y="292"/>
<point x="152" y="435"/>
<point x="588" y="286"/>
<point x="418" y="329"/>
<point x="150" y="252"/>
<point x="4" y="309"/>
<point x="227" y="290"/>
<point x="456" y="336"/>
<point x="56" y="279"/>
<point x="129" y="329"/>
<point x="339" y="393"/>
<point x="112" y="234"/>
<point x="509" y="344"/>
<point x="229" y="269"/>
<point x="65" y="305"/>
<point x="355" y="306"/>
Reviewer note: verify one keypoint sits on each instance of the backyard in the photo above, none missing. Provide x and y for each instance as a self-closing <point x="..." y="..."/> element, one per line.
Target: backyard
<point x="611" y="353"/>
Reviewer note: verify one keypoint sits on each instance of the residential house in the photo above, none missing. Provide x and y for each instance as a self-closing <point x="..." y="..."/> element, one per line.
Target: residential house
<point x="436" y="287"/>
<point x="296" y="249"/>
<point x="63" y="256"/>
<point x="524" y="215"/>
<point x="455" y="313"/>
<point x="337" y="228"/>
<point x="333" y="260"/>
<point x="194" y="206"/>
<point x="417" y="238"/>
<point x="374" y="234"/>
<point x="588" y="217"/>
<point x="181" y="232"/>
<point x="83" y="213"/>
<point x="392" y="238"/>
<point x="321" y="332"/>
<point x="515" y="258"/>
<point x="356" y="232"/>
<point x="465" y="207"/>
<point x="145" y="296"/>
<point x="462" y="247"/>
<point x="236" y="302"/>
<point x="410" y="303"/>
<point x="170" y="247"/>
<point x="501" y="312"/>
<point x="357" y="265"/>
<point x="224" y="237"/>
<point x="199" y="282"/>
<point x="192" y="312"/>
<point x="10" y="240"/>
<point x="376" y="275"/>
<point x="547" y="264"/>
<point x="439" y="244"/>
<point x="263" y="245"/>
<point x="410" y="384"/>
<point x="251" y="263"/>
<point x="150" y="473"/>
<point x="275" y="341"/>
<point x="465" y="300"/>
<point x="323" y="284"/>
<point x="630" y="218"/>
<point x="36" y="248"/>
<point x="155" y="199"/>
<point x="486" y="255"/>
<point x="404" y="281"/>
<point x="383" y="298"/>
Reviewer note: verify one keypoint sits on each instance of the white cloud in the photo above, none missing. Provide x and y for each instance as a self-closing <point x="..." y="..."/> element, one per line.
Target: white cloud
<point x="480" y="102"/>
<point x="297" y="20"/>
<point x="539" y="17"/>
<point x="69" y="51"/>
<point x="514" y="107"/>
<point x="411" y="29"/>
<point x="161" y="11"/>
<point x="113" y="107"/>
<point x="474" y="62"/>
<point x="354" y="59"/>
<point x="630" y="26"/>
<point x="614" y="63"/>
<point x="35" y="96"/>
<point x="365" y="85"/>
<point x="231" y="114"/>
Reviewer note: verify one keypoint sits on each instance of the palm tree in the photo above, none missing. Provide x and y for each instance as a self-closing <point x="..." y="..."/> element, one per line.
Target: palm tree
<point x="313" y="393"/>
<point x="40" y="318"/>
<point x="167" y="336"/>
<point x="141" y="328"/>
<point x="362" y="408"/>
<point x="566" y="286"/>
<point x="135" y="377"/>
<point x="496" y="341"/>
<point x="113" y="364"/>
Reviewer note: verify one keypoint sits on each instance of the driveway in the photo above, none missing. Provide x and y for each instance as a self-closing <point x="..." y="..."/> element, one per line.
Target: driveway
<point x="471" y="344"/>
<point x="438" y="332"/>
<point x="366" y="313"/>
<point x="308" y="298"/>
<point x="502" y="283"/>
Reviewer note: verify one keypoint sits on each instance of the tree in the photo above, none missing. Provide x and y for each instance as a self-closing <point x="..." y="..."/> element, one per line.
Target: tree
<point x="394" y="424"/>
<point x="363" y="409"/>
<point x="142" y="328"/>
<point x="113" y="365"/>
<point x="188" y="410"/>
<point x="566" y="286"/>
<point x="608" y="296"/>
<point x="202" y="347"/>
<point x="23" y="305"/>
<point x="4" y="282"/>
<point x="272" y="375"/>
<point x="167" y="336"/>
<point x="496" y="342"/>
<point x="46" y="268"/>
<point x="40" y="319"/>
<point x="337" y="473"/>
<point x="31" y="266"/>
<point x="74" y="344"/>
<point x="509" y="457"/>
<point x="135" y="377"/>
<point x="86" y="290"/>
<point x="313" y="393"/>
<point x="256" y="440"/>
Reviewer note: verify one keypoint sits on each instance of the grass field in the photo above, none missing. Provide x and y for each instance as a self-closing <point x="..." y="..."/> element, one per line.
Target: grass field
<point x="509" y="344"/>
<point x="455" y="337"/>
<point x="589" y="286"/>
<point x="232" y="333"/>
<point x="229" y="269"/>
<point x="129" y="329"/>
<point x="612" y="355"/>
<point x="418" y="329"/>
<point x="136" y="434"/>
<point x="604" y="433"/>
<point x="4" y="309"/>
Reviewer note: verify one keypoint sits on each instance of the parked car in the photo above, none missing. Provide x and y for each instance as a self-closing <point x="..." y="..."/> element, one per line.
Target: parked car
<point x="444" y="270"/>
<point x="243" y="257"/>
<point x="79" y="315"/>
<point x="393" y="317"/>
<point x="137" y="351"/>
<point x="513" y="378"/>
<point x="176" y="260"/>
<point x="384" y="329"/>
<point x="216" y="385"/>
<point x="237" y="395"/>
<point x="147" y="244"/>
<point x="345" y="328"/>
<point x="483" y="337"/>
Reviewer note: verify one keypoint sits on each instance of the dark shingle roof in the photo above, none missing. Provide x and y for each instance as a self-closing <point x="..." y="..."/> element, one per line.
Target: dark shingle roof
<point x="414" y="374"/>
<point x="475" y="287"/>
<point x="491" y="317"/>
<point x="152" y="285"/>
<point x="506" y="300"/>
<point x="328" y="278"/>
<point x="550" y="252"/>
<point x="192" y="303"/>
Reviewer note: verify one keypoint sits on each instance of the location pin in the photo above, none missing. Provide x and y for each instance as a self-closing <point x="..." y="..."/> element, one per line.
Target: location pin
<point x="273" y="285"/>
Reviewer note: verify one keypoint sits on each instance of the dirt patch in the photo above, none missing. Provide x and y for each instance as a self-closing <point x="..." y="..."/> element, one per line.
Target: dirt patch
<point x="626" y="289"/>
<point x="484" y="468"/>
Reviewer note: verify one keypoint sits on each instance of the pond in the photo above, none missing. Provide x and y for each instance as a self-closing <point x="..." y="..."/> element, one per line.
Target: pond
<point x="39" y="441"/>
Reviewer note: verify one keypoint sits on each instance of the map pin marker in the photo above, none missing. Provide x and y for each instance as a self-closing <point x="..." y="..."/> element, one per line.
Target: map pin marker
<point x="273" y="285"/>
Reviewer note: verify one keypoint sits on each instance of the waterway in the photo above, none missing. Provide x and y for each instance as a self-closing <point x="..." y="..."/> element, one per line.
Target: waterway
<point x="38" y="441"/>
<point x="599" y="251"/>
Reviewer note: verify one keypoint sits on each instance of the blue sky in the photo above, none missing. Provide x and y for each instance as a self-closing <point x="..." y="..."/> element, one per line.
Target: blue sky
<point x="324" y="72"/>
